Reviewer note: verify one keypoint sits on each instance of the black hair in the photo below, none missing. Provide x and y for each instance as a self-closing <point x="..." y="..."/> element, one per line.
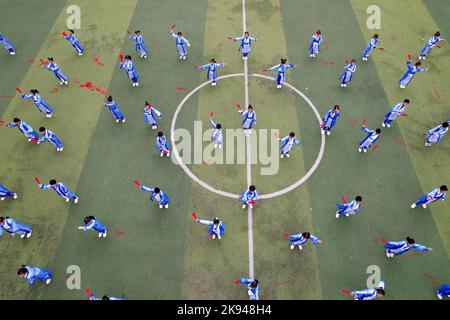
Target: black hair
<point x="378" y="130"/>
<point x="22" y="270"/>
<point x="157" y="190"/>
<point x="418" y="63"/>
<point x="437" y="34"/>
<point x="292" y="134"/>
<point x="410" y="240"/>
<point x="358" y="198"/>
<point x="252" y="188"/>
<point x="246" y="32"/>
<point x="3" y="219"/>
<point x="50" y="58"/>
<point x="105" y="298"/>
<point x="406" y="100"/>
<point x="445" y="124"/>
<point x="88" y="219"/>
<point x="16" y="120"/>
<point x="41" y="129"/>
<point x="254" y="284"/>
<point x="128" y="57"/>
<point x="375" y="35"/>
<point x="160" y="134"/>
<point x="353" y="60"/>
<point x="137" y="31"/>
<point x="443" y="188"/>
<point x="71" y="30"/>
<point x="213" y="60"/>
<point x="216" y="220"/>
<point x="109" y="99"/>
<point x="306" y="235"/>
<point x="218" y="126"/>
<point x="336" y="107"/>
<point x="283" y="61"/>
<point x="52" y="181"/>
<point x="250" y="107"/>
<point x="179" y="33"/>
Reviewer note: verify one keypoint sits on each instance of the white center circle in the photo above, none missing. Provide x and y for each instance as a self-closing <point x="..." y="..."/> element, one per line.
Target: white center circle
<point x="232" y="195"/>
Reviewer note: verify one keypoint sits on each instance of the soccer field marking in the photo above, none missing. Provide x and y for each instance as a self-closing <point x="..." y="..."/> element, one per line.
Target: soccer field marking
<point x="248" y="157"/>
<point x="232" y="195"/>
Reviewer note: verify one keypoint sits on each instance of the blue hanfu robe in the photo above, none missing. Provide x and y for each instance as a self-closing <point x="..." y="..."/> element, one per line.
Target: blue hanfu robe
<point x="35" y="273"/>
<point x="350" y="208"/>
<point x="436" y="134"/>
<point x="14" y="227"/>
<point x="160" y="197"/>
<point x="218" y="230"/>
<point x="246" y="44"/>
<point x="139" y="43"/>
<point x="95" y="225"/>
<point x="181" y="43"/>
<point x="26" y="129"/>
<point x="162" y="145"/>
<point x="75" y="43"/>
<point x="367" y="294"/>
<point x="409" y="74"/>
<point x="347" y="76"/>
<point x="370" y="46"/>
<point x="40" y="103"/>
<point x="399" y="248"/>
<point x="298" y="239"/>
<point x="252" y="292"/>
<point x="53" y="67"/>
<point x="444" y="290"/>
<point x="8" y="45"/>
<point x="50" y="136"/>
<point x="314" y="47"/>
<point x="151" y="116"/>
<point x="60" y="189"/>
<point x="211" y="75"/>
<point x="394" y="113"/>
<point x="431" y="197"/>
<point x="128" y="66"/>
<point x="329" y="119"/>
<point x="5" y="192"/>
<point x="281" y="75"/>
<point x="429" y="45"/>
<point x="371" y="138"/>
<point x="248" y="196"/>
<point x="217" y="135"/>
<point x="248" y="119"/>
<point x="287" y="143"/>
<point x="115" y="111"/>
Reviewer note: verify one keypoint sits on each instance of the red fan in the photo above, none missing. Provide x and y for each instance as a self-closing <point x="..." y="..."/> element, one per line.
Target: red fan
<point x="88" y="292"/>
<point x="364" y="122"/>
<point x="381" y="49"/>
<point x="423" y="133"/>
<point x="211" y="114"/>
<point x="37" y="180"/>
<point x="194" y="215"/>
<point x="251" y="202"/>
<point x="34" y="140"/>
<point x="121" y="57"/>
<point x="264" y="70"/>
<point x="44" y="62"/>
<point x="343" y="199"/>
<point x="196" y="67"/>
<point x="129" y="32"/>
<point x="1" y="122"/>
<point x="238" y="106"/>
<point x="409" y="56"/>
<point x="237" y="281"/>
<point x="173" y="26"/>
<point x="346" y="291"/>
<point x="18" y="89"/>
<point x="403" y="114"/>
<point x="230" y="38"/>
<point x="64" y="34"/>
<point x="136" y="182"/>
<point x="286" y="235"/>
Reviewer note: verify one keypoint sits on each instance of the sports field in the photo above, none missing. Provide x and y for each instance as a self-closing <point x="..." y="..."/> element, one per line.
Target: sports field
<point x="164" y="254"/>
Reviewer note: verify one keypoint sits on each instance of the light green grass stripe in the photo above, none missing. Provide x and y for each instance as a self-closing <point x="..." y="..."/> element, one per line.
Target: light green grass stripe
<point x="426" y="110"/>
<point x="75" y="117"/>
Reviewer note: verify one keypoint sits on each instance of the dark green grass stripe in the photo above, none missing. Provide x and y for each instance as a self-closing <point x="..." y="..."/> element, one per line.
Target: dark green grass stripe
<point x="351" y="246"/>
<point x="27" y="36"/>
